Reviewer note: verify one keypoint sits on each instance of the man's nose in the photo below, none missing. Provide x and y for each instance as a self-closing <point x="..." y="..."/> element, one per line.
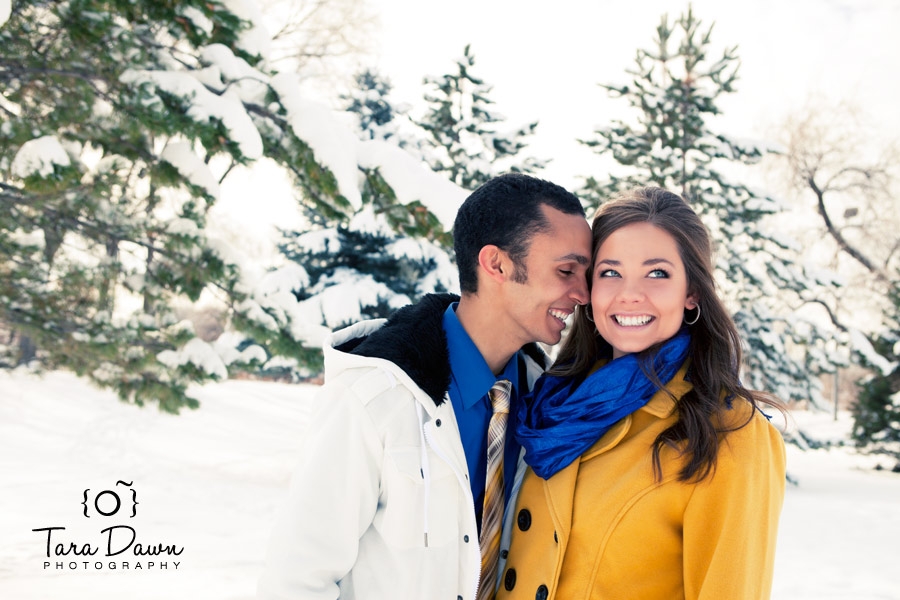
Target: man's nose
<point x="580" y="293"/>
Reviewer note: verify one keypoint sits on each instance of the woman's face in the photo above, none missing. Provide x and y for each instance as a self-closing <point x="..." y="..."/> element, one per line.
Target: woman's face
<point x="639" y="290"/>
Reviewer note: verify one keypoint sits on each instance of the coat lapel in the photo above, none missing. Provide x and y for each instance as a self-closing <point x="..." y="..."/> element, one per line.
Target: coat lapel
<point x="560" y="491"/>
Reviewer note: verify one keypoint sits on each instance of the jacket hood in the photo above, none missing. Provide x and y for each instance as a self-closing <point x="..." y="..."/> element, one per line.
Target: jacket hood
<point x="413" y="339"/>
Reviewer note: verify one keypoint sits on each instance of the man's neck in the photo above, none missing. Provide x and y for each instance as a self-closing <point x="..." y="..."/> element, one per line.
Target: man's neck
<point x="485" y="327"/>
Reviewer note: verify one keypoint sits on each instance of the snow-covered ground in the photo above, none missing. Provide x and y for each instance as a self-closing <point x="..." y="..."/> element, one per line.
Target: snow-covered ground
<point x="207" y="483"/>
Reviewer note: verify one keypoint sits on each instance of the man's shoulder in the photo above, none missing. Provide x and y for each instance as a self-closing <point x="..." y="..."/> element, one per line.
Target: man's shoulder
<point x="412" y="340"/>
<point x="367" y="381"/>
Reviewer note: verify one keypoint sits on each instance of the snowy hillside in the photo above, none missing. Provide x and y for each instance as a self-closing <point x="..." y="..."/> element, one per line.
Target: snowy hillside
<point x="208" y="482"/>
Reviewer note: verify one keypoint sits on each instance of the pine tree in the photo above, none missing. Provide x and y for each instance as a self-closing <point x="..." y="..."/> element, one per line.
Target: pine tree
<point x="371" y="102"/>
<point x="386" y="254"/>
<point x="364" y="269"/>
<point x="675" y="89"/>
<point x="379" y="116"/>
<point x="876" y="412"/>
<point x="464" y="133"/>
<point x="116" y="115"/>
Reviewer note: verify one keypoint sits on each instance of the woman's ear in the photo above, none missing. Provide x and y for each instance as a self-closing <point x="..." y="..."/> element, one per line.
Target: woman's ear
<point x="691" y="302"/>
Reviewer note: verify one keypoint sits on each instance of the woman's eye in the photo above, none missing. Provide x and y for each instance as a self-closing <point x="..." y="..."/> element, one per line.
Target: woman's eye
<point x="609" y="273"/>
<point x="658" y="274"/>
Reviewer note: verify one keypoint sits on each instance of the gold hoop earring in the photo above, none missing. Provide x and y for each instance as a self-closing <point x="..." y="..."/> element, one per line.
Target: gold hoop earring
<point x="697" y="318"/>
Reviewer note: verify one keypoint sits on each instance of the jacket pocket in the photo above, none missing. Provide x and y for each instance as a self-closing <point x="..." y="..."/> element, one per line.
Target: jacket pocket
<point x="400" y="518"/>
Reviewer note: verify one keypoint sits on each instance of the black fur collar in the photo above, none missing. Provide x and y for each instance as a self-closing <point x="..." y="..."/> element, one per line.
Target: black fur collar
<point x="413" y="339"/>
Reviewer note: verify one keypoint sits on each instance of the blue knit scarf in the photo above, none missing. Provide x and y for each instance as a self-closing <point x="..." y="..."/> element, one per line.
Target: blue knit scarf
<point x="556" y="424"/>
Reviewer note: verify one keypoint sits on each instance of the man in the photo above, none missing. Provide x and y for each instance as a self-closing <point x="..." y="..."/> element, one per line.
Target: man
<point x="395" y="482"/>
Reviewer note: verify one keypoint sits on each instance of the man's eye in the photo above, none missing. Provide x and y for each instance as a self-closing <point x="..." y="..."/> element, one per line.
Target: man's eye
<point x="566" y="272"/>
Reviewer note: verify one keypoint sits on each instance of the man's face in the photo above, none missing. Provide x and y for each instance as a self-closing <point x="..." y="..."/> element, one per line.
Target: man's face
<point x="555" y="266"/>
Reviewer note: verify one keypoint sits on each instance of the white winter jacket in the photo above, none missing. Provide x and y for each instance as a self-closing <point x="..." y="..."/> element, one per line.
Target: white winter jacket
<point x="380" y="506"/>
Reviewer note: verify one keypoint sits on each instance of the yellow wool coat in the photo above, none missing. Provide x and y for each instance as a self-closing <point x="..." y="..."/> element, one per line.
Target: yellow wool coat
<point x="604" y="527"/>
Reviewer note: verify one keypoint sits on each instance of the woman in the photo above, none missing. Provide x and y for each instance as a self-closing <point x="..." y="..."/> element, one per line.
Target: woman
<point x="653" y="473"/>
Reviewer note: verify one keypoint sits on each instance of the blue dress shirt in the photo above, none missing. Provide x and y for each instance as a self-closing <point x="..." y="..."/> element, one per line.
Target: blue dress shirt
<point x="470" y="381"/>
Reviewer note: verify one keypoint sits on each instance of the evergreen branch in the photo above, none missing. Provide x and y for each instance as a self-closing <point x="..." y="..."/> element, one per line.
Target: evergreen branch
<point x="227" y="171"/>
<point x="19" y="69"/>
<point x="97" y="232"/>
<point x="280" y="153"/>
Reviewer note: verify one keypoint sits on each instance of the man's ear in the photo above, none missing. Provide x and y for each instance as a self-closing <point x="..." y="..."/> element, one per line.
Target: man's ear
<point x="494" y="262"/>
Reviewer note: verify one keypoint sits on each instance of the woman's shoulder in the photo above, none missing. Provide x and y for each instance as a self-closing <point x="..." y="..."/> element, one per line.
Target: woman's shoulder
<point x="749" y="431"/>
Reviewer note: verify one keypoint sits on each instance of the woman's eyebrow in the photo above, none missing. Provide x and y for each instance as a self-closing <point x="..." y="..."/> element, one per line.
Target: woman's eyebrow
<point x="649" y="261"/>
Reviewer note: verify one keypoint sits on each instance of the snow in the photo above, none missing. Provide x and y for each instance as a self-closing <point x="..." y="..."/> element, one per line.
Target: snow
<point x="181" y="156"/>
<point x="332" y="143"/>
<point x="336" y="147"/>
<point x="340" y="298"/>
<point x="28" y="238"/>
<point x="182" y="226"/>
<point x="205" y="105"/>
<point x="367" y="221"/>
<point x="211" y="480"/>
<point x="288" y="278"/>
<point x="443" y="276"/>
<point x="411" y="180"/>
<point x="839" y="526"/>
<point x="320" y="240"/>
<point x="255" y="39"/>
<point x="39" y="156"/>
<point x="198" y="353"/>
<point x="862" y="345"/>
<point x="195" y="16"/>
<point x="226" y="347"/>
<point x="249" y="82"/>
<point x="275" y="308"/>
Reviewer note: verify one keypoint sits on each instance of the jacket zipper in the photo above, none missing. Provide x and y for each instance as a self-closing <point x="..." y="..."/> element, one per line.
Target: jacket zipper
<point x="468" y="491"/>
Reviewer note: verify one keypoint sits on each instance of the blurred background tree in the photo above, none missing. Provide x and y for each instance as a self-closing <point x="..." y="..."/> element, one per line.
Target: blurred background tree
<point x="674" y="92"/>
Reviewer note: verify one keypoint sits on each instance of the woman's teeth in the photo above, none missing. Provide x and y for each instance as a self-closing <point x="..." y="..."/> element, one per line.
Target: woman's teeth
<point x="632" y="321"/>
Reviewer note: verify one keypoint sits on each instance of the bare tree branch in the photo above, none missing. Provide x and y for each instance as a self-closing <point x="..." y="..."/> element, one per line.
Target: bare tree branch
<point x="842" y="243"/>
<point x="830" y="312"/>
<point x="314" y="33"/>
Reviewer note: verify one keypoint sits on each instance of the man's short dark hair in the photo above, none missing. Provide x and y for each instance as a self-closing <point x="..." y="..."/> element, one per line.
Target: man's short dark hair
<point x="505" y="212"/>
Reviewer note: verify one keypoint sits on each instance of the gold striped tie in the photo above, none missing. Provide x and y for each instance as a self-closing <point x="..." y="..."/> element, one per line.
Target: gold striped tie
<point x="492" y="517"/>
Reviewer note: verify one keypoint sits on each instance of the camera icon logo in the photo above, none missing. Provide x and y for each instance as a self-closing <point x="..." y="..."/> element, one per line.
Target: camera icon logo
<point x="108" y="502"/>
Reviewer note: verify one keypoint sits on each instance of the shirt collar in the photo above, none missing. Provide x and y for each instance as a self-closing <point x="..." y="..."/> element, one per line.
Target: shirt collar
<point x="475" y="377"/>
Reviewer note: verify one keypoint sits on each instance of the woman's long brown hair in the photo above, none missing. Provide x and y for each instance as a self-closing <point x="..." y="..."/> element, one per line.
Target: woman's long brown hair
<point x="715" y="347"/>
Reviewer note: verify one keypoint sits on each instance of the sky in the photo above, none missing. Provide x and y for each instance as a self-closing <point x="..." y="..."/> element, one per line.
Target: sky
<point x="545" y="62"/>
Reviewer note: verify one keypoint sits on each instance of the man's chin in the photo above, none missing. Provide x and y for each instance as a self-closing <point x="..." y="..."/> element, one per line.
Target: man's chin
<point x="552" y="340"/>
